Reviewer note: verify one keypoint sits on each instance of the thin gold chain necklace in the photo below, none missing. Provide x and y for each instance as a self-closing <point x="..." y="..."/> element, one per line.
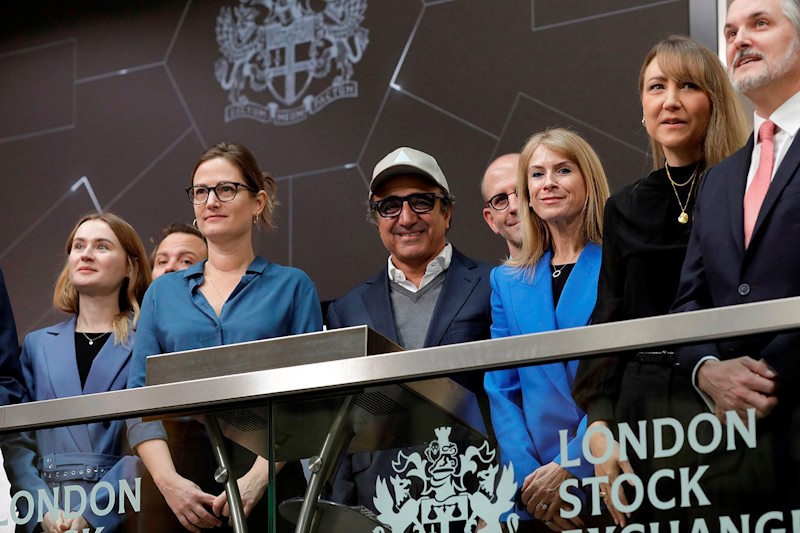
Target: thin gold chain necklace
<point x="683" y="218"/>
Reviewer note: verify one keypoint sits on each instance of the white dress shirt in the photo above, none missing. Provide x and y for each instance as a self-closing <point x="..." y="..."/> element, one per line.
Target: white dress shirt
<point x="787" y="118"/>
<point x="438" y="264"/>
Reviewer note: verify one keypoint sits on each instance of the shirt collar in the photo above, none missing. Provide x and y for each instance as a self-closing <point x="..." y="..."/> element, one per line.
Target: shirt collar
<point x="786" y="117"/>
<point x="195" y="272"/>
<point x="436" y="266"/>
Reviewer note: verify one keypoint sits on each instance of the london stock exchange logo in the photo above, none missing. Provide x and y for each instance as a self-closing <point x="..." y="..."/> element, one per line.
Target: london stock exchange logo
<point x="282" y="46"/>
<point x="444" y="499"/>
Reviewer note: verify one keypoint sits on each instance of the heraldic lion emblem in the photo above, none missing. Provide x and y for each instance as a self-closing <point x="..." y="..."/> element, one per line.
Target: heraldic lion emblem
<point x="440" y="474"/>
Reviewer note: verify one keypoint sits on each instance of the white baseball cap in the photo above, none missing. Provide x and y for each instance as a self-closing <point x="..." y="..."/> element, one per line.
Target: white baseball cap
<point x="405" y="160"/>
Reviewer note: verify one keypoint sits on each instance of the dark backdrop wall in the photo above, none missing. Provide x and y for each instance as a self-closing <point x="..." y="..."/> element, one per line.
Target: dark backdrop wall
<point x="106" y="106"/>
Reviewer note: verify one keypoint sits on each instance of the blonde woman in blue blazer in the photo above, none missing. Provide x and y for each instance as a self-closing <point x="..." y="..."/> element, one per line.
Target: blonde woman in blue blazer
<point x="102" y="283"/>
<point x="551" y="285"/>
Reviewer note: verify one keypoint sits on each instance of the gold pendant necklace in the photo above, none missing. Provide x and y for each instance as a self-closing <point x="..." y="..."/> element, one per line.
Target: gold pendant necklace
<point x="683" y="218"/>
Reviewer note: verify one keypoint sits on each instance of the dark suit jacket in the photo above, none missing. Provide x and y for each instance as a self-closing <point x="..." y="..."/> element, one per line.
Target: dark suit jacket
<point x="718" y="271"/>
<point x="462" y="314"/>
<point x="11" y="390"/>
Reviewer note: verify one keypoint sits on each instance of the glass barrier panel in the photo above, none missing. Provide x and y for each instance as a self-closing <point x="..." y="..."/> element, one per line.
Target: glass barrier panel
<point x="91" y="477"/>
<point x="620" y="442"/>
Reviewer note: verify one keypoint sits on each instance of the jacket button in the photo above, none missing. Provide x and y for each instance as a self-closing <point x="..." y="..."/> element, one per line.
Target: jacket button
<point x="744" y="289"/>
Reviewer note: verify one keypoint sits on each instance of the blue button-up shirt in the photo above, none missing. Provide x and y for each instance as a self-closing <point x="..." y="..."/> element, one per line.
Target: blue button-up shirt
<point x="270" y="301"/>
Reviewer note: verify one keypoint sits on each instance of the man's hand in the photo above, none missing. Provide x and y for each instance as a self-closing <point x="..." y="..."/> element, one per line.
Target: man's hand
<point x="739" y="384"/>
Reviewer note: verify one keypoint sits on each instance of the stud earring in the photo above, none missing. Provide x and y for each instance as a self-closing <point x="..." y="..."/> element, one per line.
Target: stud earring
<point x="643" y="124"/>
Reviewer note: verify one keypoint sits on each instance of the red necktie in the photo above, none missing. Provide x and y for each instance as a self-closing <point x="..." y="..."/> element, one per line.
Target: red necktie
<point x="755" y="194"/>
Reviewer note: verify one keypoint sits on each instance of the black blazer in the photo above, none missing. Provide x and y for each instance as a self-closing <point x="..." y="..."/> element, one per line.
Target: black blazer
<point x="718" y="271"/>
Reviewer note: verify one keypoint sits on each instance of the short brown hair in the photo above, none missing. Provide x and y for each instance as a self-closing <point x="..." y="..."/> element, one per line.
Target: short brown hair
<point x="536" y="238"/>
<point x="169" y="229"/>
<point x="65" y="296"/>
<point x="239" y="156"/>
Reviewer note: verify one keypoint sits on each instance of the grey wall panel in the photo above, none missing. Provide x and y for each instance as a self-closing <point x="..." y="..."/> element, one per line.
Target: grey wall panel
<point x="331" y="207"/>
<point x="136" y="100"/>
<point x="39" y="82"/>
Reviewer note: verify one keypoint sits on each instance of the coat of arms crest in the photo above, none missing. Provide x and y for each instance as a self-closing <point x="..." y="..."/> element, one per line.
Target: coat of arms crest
<point x="444" y="499"/>
<point x="282" y="46"/>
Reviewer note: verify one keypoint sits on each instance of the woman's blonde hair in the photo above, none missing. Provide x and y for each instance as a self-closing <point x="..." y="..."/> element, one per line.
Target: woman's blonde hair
<point x="65" y="296"/>
<point x="536" y="238"/>
<point x="688" y="61"/>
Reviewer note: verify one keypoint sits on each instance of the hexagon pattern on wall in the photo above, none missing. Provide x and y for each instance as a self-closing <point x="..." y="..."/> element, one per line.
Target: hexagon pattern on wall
<point x="127" y="96"/>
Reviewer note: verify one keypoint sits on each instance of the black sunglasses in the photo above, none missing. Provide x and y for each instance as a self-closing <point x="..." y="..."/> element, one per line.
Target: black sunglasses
<point x="419" y="202"/>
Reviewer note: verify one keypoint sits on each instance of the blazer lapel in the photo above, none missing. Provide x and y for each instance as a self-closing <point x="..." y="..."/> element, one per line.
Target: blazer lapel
<point x="539" y="315"/>
<point x="782" y="178"/>
<point x="62" y="369"/>
<point x="459" y="283"/>
<point x="106" y="367"/>
<point x="109" y="362"/>
<point x="534" y="307"/>
<point x="737" y="176"/>
<point x="580" y="292"/>
<point x="379" y="306"/>
<point x="575" y="309"/>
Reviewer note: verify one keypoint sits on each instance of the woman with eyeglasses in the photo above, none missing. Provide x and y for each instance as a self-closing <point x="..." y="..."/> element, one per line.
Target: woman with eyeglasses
<point x="694" y="120"/>
<point x="104" y="279"/>
<point x="234" y="296"/>
<point x="552" y="284"/>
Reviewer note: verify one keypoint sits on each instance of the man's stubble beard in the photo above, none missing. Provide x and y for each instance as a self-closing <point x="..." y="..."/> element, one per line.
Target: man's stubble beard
<point x="770" y="72"/>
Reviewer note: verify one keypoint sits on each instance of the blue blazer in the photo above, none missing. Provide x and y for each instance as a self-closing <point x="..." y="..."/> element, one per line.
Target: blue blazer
<point x="531" y="404"/>
<point x="461" y="315"/>
<point x="50" y="371"/>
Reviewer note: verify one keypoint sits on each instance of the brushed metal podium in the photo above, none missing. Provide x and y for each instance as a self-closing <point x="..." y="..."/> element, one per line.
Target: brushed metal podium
<point x="371" y="418"/>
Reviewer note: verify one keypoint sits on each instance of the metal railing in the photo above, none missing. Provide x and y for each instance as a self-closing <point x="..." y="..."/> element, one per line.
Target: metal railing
<point x="199" y="394"/>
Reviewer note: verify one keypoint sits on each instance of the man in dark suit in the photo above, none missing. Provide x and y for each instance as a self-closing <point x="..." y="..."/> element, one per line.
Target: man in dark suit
<point x="743" y="248"/>
<point x="427" y="294"/>
<point x="411" y="204"/>
<point x="10" y="372"/>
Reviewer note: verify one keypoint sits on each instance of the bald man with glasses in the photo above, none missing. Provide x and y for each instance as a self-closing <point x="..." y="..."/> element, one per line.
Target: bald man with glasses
<point x="499" y="190"/>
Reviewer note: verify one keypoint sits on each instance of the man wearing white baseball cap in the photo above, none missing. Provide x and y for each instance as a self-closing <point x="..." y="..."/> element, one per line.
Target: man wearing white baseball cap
<point x="427" y="294"/>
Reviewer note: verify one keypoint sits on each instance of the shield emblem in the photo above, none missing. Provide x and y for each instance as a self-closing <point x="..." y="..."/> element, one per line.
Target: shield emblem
<point x="288" y="52"/>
